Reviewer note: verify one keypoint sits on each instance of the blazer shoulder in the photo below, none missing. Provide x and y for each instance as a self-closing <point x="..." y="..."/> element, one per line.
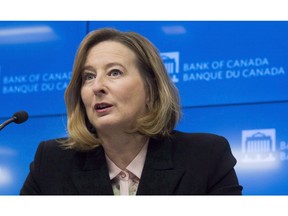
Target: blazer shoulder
<point x="53" y="148"/>
<point x="200" y="143"/>
<point x="198" y="138"/>
<point x="52" y="144"/>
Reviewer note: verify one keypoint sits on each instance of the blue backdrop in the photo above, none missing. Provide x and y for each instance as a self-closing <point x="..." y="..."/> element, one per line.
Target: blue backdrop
<point x="232" y="78"/>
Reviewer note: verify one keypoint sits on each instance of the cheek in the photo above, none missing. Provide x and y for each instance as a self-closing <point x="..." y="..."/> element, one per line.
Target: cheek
<point x="135" y="96"/>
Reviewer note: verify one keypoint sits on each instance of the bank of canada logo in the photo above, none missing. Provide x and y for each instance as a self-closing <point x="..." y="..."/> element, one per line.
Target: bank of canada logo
<point x="171" y="62"/>
<point x="259" y="145"/>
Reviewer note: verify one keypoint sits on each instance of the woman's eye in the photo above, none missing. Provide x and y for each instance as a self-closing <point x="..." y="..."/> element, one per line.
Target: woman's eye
<point x="88" y="76"/>
<point x="115" y="73"/>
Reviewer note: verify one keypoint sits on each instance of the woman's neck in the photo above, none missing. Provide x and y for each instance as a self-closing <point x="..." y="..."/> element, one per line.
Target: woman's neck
<point x="123" y="148"/>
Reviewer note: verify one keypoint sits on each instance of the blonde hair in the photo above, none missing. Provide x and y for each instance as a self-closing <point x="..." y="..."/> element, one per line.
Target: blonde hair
<point x="163" y="109"/>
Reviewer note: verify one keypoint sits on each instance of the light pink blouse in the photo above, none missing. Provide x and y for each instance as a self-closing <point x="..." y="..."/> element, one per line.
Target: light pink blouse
<point x="125" y="182"/>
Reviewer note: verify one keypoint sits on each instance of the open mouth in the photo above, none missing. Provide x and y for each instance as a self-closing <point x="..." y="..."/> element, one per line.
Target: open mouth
<point x="102" y="106"/>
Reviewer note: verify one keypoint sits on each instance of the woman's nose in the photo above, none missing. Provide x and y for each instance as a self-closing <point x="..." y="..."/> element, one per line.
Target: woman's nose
<point x="99" y="86"/>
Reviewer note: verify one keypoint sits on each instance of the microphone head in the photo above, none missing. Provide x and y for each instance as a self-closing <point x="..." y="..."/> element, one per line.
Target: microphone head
<point x="20" y="117"/>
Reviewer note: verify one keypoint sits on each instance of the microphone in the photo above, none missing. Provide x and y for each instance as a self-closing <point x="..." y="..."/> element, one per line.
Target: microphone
<point x="18" y="117"/>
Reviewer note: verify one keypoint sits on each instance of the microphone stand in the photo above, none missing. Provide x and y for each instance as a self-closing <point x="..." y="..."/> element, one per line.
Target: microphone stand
<point x="8" y="121"/>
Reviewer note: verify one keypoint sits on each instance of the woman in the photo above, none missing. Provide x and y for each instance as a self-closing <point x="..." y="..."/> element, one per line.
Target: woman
<point x="122" y="109"/>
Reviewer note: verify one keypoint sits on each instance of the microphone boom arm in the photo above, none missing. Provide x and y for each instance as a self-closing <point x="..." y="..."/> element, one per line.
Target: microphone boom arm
<point x="8" y="121"/>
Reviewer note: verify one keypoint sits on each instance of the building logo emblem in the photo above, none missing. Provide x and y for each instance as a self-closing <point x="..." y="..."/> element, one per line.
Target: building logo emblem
<point x="259" y="145"/>
<point x="171" y="63"/>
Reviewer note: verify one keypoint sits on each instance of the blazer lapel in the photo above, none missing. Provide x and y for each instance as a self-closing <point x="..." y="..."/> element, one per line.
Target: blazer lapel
<point x="159" y="176"/>
<point x="94" y="177"/>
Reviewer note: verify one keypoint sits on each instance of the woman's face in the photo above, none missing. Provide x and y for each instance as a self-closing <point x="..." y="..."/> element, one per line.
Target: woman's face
<point x="113" y="91"/>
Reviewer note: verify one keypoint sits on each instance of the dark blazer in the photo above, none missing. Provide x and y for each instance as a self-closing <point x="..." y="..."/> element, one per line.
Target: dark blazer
<point x="183" y="164"/>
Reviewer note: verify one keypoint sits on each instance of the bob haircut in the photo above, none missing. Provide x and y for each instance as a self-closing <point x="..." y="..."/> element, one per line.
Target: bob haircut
<point x="163" y="109"/>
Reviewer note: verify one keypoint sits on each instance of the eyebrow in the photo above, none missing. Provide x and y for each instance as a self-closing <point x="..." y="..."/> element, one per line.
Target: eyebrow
<point x="91" y="68"/>
<point x="87" y="67"/>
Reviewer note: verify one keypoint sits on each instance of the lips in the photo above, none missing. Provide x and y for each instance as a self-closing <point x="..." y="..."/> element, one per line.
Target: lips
<point x="99" y="107"/>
